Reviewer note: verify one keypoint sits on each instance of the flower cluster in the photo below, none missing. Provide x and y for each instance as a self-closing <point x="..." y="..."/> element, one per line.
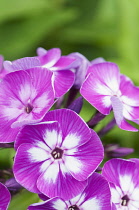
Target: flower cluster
<point x="58" y="154"/>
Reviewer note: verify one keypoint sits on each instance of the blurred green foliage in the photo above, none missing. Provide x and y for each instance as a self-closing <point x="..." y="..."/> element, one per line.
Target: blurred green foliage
<point x="95" y="28"/>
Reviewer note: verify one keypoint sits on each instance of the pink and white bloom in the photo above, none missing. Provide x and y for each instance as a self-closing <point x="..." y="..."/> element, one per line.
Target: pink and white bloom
<point x="95" y="196"/>
<point x="57" y="156"/>
<point x="25" y="97"/>
<point x="106" y="89"/>
<point x="124" y="183"/>
<point x="62" y="78"/>
<point x="5" y="197"/>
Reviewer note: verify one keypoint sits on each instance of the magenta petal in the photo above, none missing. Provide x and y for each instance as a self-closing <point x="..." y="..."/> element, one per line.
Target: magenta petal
<point x="5" y="197"/>
<point x="83" y="160"/>
<point x="50" y="58"/>
<point x="116" y="169"/>
<point x="27" y="166"/>
<point x="118" y="113"/>
<point x="41" y="51"/>
<point x="8" y="66"/>
<point x="96" y="195"/>
<point x="60" y="183"/>
<point x="40" y="135"/>
<point x="63" y="80"/>
<point x="51" y="204"/>
<point x="130" y="93"/>
<point x="97" y="94"/>
<point x="72" y="126"/>
<point x="25" y="63"/>
<point x="63" y="63"/>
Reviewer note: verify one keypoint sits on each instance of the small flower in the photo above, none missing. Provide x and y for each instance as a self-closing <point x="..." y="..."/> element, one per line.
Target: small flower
<point x="106" y="89"/>
<point x="57" y="156"/>
<point x="95" y="196"/>
<point x="62" y="78"/>
<point x="124" y="183"/>
<point x="25" y="97"/>
<point x="5" y="197"/>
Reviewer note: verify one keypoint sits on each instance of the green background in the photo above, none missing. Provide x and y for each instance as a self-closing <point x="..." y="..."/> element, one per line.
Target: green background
<point x="95" y="28"/>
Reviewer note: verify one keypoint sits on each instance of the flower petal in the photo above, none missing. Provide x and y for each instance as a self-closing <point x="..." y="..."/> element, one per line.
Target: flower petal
<point x="28" y="165"/>
<point x="43" y="135"/>
<point x="62" y="81"/>
<point x="75" y="131"/>
<point x="60" y="182"/>
<point x="51" y="204"/>
<point x="118" y="113"/>
<point x="63" y="63"/>
<point x="83" y="160"/>
<point x="5" y="197"/>
<point x="96" y="195"/>
<point x="50" y="58"/>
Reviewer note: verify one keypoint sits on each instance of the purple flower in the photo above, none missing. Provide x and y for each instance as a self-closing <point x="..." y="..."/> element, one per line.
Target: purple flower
<point x="57" y="156"/>
<point x="5" y="197"/>
<point x="25" y="97"/>
<point x="124" y="183"/>
<point x="105" y="88"/>
<point x="95" y="196"/>
<point x="62" y="78"/>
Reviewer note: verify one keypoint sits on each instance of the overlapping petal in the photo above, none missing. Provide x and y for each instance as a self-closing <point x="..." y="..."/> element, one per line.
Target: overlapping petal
<point x="74" y="130"/>
<point x="87" y="158"/>
<point x="5" y="197"/>
<point x="61" y="183"/>
<point x="62" y="82"/>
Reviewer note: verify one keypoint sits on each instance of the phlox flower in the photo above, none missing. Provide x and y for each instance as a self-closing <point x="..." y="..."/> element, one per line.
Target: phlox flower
<point x="124" y="183"/>
<point x="106" y="89"/>
<point x="62" y="78"/>
<point x="96" y="196"/>
<point x="5" y="197"/>
<point x="55" y="157"/>
<point x="25" y="97"/>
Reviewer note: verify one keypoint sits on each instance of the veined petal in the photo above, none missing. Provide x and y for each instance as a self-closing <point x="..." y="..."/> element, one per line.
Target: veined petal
<point x="51" y="204"/>
<point x="96" y="195"/>
<point x="27" y="165"/>
<point x="130" y="93"/>
<point x="75" y="131"/>
<point x="45" y="136"/>
<point x="50" y="58"/>
<point x="120" y="172"/>
<point x="82" y="161"/>
<point x="97" y="94"/>
<point x="5" y="197"/>
<point x="25" y="63"/>
<point x="118" y="113"/>
<point x="62" y="81"/>
<point x="60" y="182"/>
<point x="63" y="63"/>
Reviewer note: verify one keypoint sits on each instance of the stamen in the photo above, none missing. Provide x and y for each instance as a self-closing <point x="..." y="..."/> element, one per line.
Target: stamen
<point x="28" y="108"/>
<point x="125" y="200"/>
<point x="57" y="153"/>
<point x="74" y="207"/>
